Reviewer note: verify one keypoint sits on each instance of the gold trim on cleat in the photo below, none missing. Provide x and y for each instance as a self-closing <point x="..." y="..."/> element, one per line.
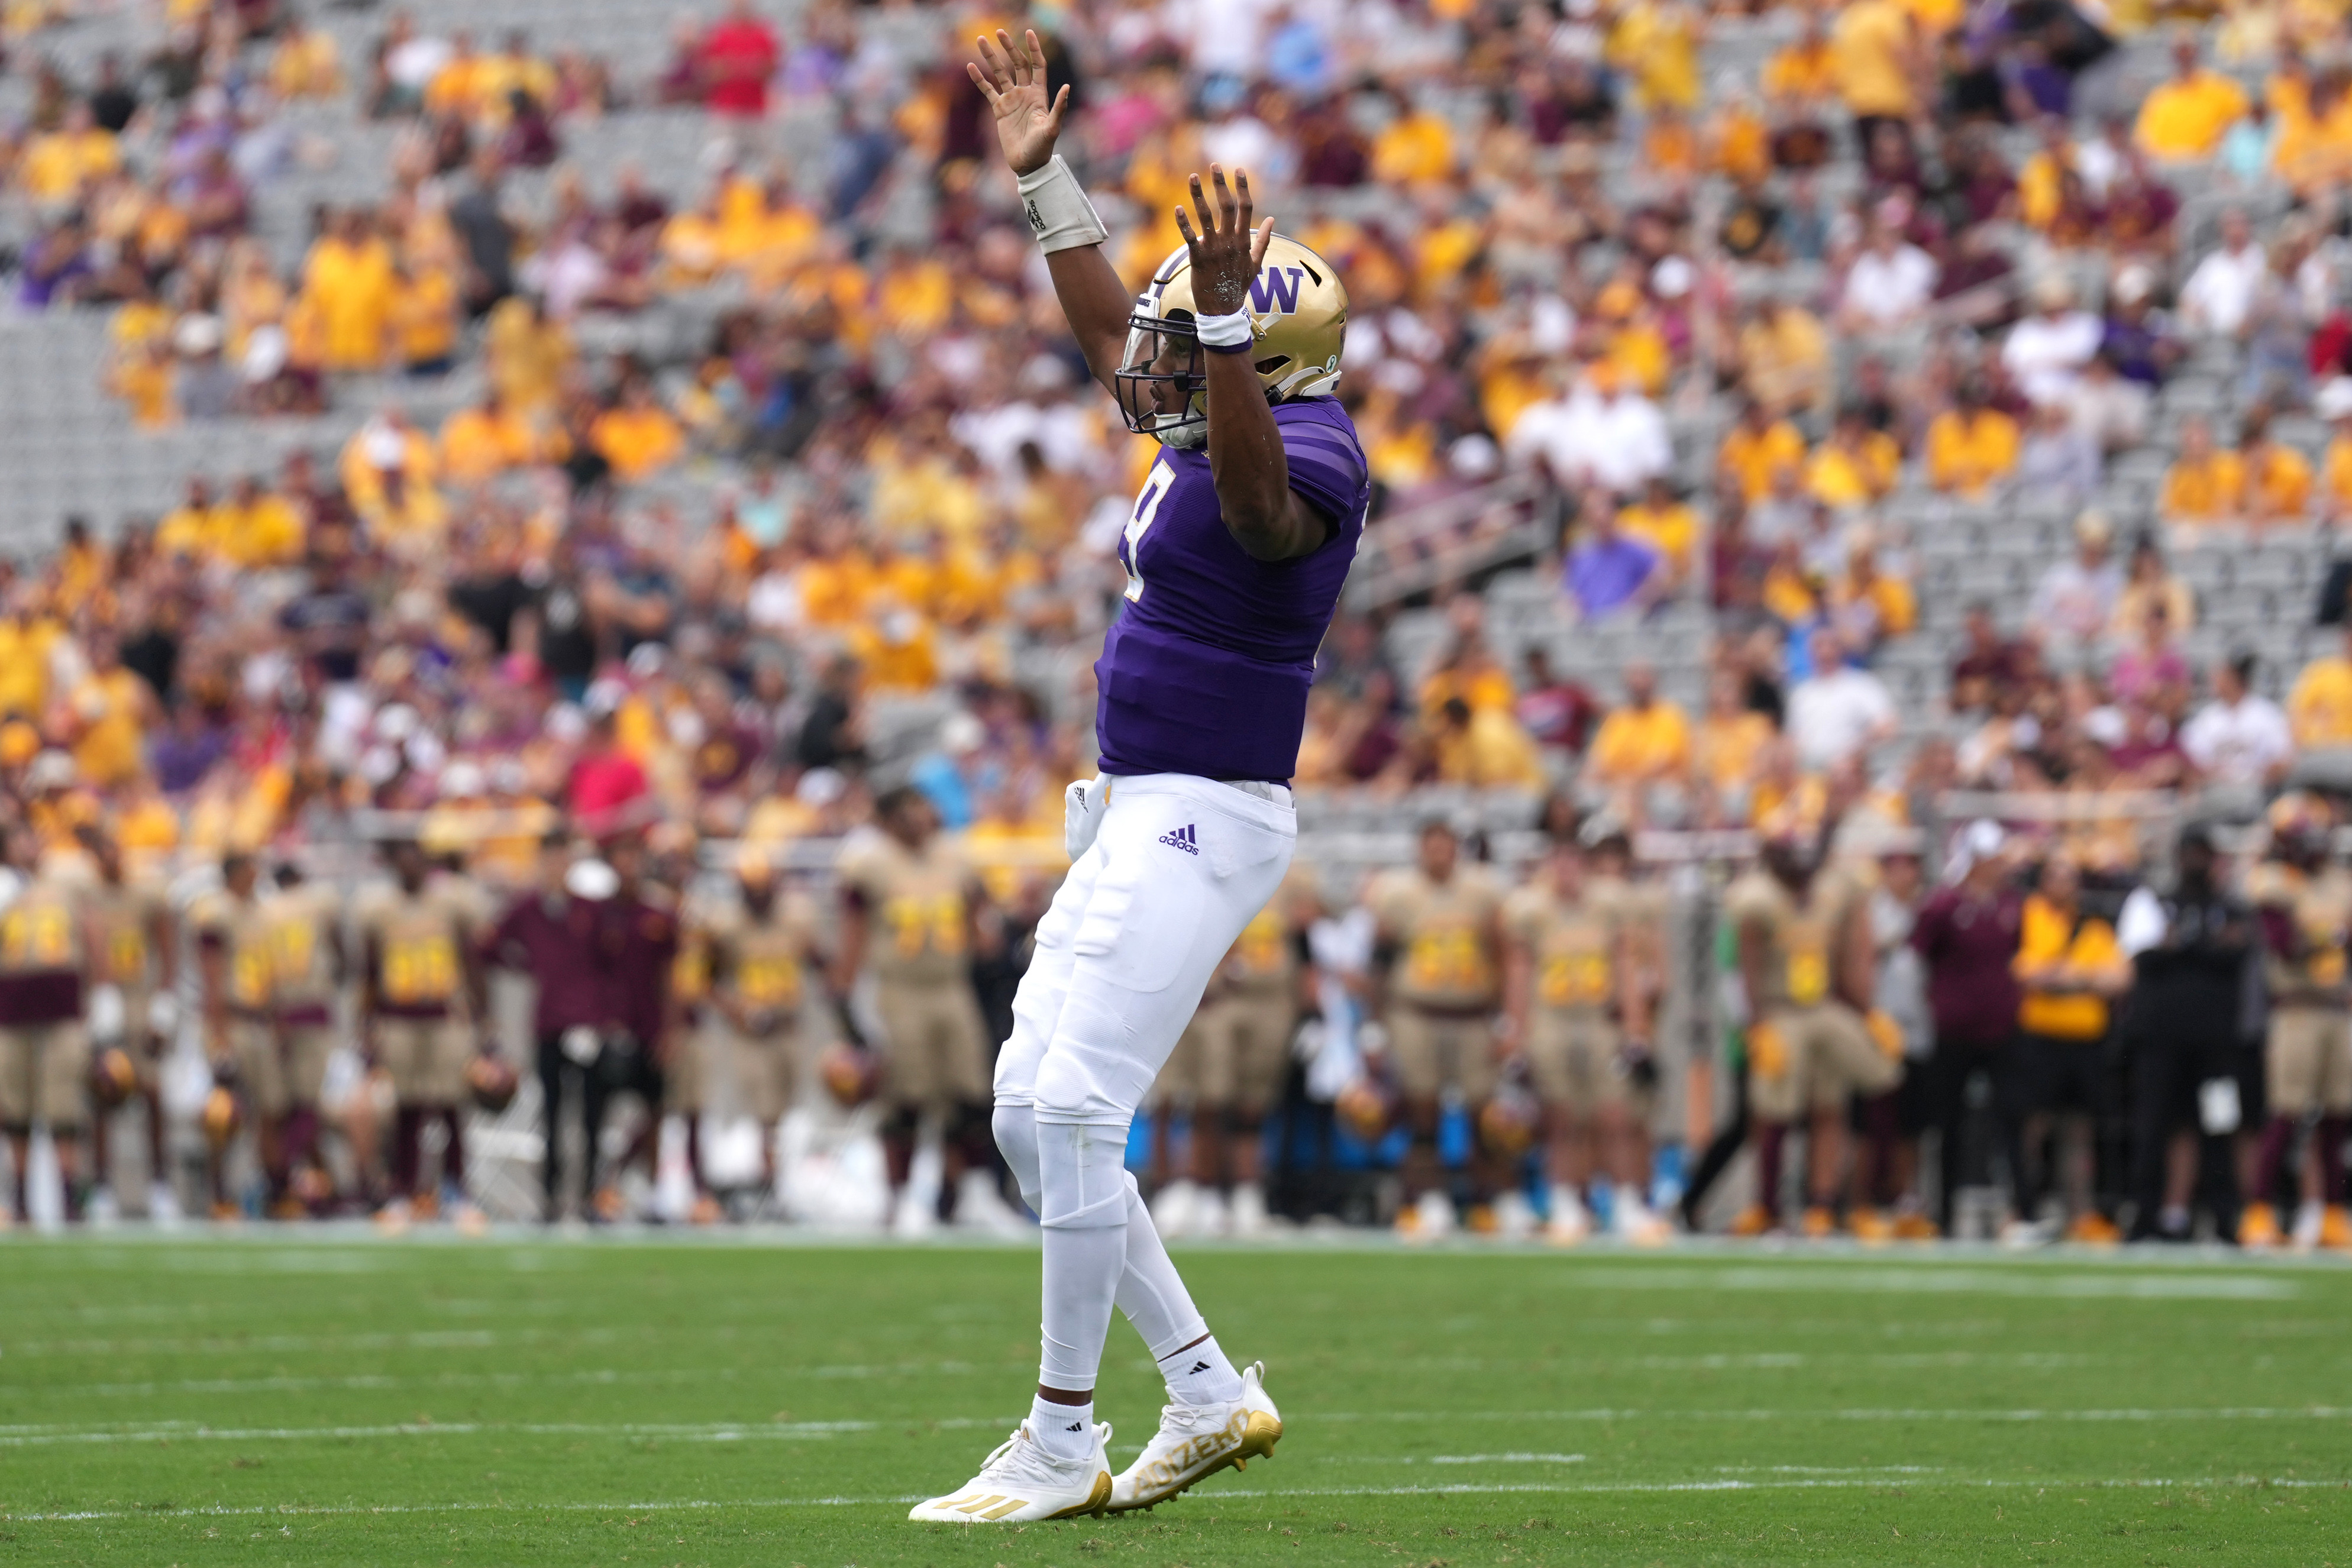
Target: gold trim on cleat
<point x="1096" y="1500"/>
<point x="1259" y="1434"/>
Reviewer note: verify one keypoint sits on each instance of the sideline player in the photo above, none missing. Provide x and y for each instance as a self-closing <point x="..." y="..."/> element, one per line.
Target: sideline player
<point x="920" y="890"/>
<point x="1809" y="972"/>
<point x="1236" y="553"/>
<point x="1438" y="946"/>
<point x="2305" y="905"/>
<point x="761" y="953"/>
<point x="422" y="993"/>
<point x="134" y="950"/>
<point x="1573" y="990"/>
<point x="45" y="964"/>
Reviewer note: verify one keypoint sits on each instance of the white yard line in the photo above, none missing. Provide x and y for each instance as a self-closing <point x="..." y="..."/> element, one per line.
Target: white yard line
<point x="1221" y="1494"/>
<point x="26" y="1436"/>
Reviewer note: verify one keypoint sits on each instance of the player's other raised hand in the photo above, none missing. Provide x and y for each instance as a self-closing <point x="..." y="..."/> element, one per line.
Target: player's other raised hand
<point x="1226" y="252"/>
<point x="1014" y="77"/>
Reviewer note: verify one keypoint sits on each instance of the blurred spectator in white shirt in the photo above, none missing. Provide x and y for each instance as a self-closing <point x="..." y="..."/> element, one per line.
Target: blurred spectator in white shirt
<point x="2044" y="353"/>
<point x="2221" y="290"/>
<point x="1838" y="709"/>
<point x="2240" y="737"/>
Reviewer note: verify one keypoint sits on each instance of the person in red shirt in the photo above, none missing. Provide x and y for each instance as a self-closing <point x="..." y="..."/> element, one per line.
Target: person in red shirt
<point x="606" y="781"/>
<point x="738" y="58"/>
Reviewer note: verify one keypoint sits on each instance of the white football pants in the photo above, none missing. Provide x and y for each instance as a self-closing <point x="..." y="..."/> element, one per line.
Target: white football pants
<point x="1178" y="866"/>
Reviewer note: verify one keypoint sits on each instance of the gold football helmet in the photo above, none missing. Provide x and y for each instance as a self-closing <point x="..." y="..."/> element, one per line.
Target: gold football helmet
<point x="1297" y="307"/>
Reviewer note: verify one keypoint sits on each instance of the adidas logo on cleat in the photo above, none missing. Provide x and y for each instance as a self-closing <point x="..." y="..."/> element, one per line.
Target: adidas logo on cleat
<point x="1184" y="839"/>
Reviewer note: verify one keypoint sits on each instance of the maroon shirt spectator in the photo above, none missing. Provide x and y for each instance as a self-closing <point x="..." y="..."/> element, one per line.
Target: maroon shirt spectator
<point x="554" y="939"/>
<point x="1556" y="711"/>
<point x="738" y="56"/>
<point x="1968" y="935"/>
<point x="1990" y="664"/>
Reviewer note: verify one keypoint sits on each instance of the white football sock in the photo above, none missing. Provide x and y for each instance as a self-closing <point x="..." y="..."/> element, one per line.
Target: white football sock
<point x="1200" y="1374"/>
<point x="1086" y="1193"/>
<point x="1150" y="1292"/>
<point x="1065" y="1431"/>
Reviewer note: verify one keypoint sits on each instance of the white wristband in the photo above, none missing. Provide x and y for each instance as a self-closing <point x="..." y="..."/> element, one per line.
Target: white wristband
<point x="1233" y="331"/>
<point x="1059" y="214"/>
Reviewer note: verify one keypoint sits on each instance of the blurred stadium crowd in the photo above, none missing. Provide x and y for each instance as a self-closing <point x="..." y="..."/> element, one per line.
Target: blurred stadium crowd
<point x="1845" y="644"/>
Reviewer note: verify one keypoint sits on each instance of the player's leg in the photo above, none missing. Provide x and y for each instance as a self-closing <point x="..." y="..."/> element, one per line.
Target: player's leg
<point x="1774" y="1094"/>
<point x="1175" y="1195"/>
<point x="1261" y="1064"/>
<point x="1561" y="1113"/>
<point x="909" y="1084"/>
<point x="2292" y="1058"/>
<point x="1620" y="1118"/>
<point x="1413" y="1058"/>
<point x="17" y="1065"/>
<point x="2335" y="1124"/>
<point x="261" y="1075"/>
<point x="1123" y="956"/>
<point x="1150" y="1293"/>
<point x="550" y="1065"/>
<point x="1212" y="1111"/>
<point x="397" y="1051"/>
<point x="307" y="1046"/>
<point x="961" y="1034"/>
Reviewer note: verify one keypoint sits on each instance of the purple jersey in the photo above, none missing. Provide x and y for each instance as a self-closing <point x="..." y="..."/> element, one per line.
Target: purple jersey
<point x="1207" y="670"/>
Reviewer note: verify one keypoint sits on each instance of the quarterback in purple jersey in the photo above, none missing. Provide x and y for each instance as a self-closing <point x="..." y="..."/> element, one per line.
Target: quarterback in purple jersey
<point x="1235" y="552"/>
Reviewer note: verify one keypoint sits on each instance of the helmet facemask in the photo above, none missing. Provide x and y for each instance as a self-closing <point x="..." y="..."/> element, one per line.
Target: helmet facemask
<point x="1162" y="382"/>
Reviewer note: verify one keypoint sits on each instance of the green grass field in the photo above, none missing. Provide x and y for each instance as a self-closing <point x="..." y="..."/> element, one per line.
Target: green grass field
<point x="328" y="1400"/>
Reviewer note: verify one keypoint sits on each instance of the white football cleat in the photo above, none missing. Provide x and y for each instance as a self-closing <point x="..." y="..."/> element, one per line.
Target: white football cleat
<point x="1632" y="1220"/>
<point x="1210" y="1219"/>
<point x="1174" y="1208"/>
<point x="981" y="1207"/>
<point x="1195" y="1441"/>
<point x="1022" y="1483"/>
<point x="1572" y="1222"/>
<point x="1248" y="1211"/>
<point x="162" y="1204"/>
<point x="1515" y="1217"/>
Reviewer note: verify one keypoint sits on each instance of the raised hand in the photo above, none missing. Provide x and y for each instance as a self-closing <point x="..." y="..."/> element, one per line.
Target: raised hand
<point x="1226" y="252"/>
<point x="1013" y="76"/>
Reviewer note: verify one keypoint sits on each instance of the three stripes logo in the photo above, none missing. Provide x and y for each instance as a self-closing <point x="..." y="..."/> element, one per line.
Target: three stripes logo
<point x="1184" y="839"/>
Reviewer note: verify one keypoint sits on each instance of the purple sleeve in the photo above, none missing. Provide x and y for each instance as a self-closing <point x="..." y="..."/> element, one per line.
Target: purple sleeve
<point x="1327" y="467"/>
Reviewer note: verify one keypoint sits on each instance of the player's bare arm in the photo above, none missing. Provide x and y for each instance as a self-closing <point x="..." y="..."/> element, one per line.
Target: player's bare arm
<point x="1261" y="511"/>
<point x="1013" y="77"/>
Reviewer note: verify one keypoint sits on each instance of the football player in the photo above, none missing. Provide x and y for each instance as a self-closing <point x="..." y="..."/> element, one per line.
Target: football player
<point x="2304" y="901"/>
<point x="1581" y="1016"/>
<point x="236" y="966"/>
<point x="910" y="906"/>
<point x="1236" y="553"/>
<point x="1232" y="1063"/>
<point x="1809" y="972"/>
<point x="305" y="922"/>
<point x="134" y="950"/>
<point x="45" y="967"/>
<point x="1438" y="945"/>
<point x="762" y="955"/>
<point x="421" y="998"/>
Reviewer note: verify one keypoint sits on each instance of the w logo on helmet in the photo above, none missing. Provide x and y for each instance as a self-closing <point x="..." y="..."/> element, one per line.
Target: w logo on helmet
<point x="1276" y="290"/>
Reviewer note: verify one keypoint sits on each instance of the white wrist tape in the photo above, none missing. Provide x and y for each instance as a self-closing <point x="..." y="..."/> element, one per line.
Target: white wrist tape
<point x="1233" y="331"/>
<point x="1059" y="214"/>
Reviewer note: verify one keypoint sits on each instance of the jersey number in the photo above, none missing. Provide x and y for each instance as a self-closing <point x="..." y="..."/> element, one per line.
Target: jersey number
<point x="1147" y="507"/>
